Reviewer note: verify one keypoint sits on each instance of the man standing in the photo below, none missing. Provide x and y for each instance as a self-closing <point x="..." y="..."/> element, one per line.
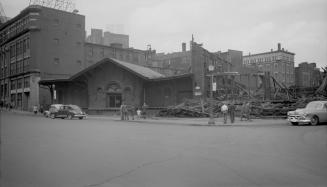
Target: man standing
<point x="224" y="110"/>
<point x="231" y="110"/>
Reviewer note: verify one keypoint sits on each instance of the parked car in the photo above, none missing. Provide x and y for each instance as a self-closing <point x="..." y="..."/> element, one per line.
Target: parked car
<point x="53" y="108"/>
<point x="66" y="111"/>
<point x="314" y="113"/>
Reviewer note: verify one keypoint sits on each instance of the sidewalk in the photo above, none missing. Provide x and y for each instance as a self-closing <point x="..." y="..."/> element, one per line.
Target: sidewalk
<point x="194" y="121"/>
<point x="175" y="120"/>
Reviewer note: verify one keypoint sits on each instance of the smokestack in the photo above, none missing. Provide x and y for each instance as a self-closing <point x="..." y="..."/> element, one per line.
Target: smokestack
<point x="279" y="46"/>
<point x="183" y="47"/>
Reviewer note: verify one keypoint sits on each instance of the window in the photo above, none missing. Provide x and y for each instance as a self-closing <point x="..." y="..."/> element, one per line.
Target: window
<point x="56" y="60"/>
<point x="26" y="82"/>
<point x="78" y="44"/>
<point x="13" y="85"/>
<point x="56" y="40"/>
<point x="90" y="53"/>
<point x="78" y="25"/>
<point x="56" y="21"/>
<point x="19" y="99"/>
<point x="19" y="83"/>
<point x="114" y="100"/>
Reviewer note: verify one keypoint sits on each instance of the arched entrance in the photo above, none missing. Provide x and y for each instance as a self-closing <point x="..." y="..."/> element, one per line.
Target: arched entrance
<point x="113" y="95"/>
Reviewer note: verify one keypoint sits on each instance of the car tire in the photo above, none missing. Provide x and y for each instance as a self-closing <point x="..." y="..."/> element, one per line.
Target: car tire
<point x="70" y="116"/>
<point x="52" y="116"/>
<point x="314" y="120"/>
<point x="80" y="117"/>
<point x="295" y="123"/>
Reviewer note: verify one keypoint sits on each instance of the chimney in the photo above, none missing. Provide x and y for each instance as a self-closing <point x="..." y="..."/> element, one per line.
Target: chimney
<point x="279" y="46"/>
<point x="183" y="47"/>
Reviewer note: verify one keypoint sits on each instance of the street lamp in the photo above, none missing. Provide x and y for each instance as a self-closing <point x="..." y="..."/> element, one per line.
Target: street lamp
<point x="212" y="86"/>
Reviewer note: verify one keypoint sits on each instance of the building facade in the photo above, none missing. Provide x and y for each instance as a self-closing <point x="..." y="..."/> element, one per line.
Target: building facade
<point x="307" y="75"/>
<point x="39" y="43"/>
<point x="104" y="86"/>
<point x="96" y="36"/>
<point x="113" y="38"/>
<point x="95" y="52"/>
<point x="279" y="63"/>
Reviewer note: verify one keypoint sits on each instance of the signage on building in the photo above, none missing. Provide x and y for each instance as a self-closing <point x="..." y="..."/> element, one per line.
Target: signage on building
<point x="214" y="86"/>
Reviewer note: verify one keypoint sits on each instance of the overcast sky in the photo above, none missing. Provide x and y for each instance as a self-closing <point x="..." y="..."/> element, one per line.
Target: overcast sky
<point x="253" y="26"/>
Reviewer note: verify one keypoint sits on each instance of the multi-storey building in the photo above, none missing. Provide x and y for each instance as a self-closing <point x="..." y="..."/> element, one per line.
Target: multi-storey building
<point x="307" y="75"/>
<point x="113" y="38"/>
<point x="96" y="36"/>
<point x="39" y="43"/>
<point x="280" y="64"/>
<point x="96" y="52"/>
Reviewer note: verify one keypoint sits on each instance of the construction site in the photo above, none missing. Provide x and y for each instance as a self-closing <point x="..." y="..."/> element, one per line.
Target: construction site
<point x="268" y="97"/>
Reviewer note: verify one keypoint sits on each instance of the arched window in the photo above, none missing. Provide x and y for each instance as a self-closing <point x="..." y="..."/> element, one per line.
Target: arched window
<point x="114" y="95"/>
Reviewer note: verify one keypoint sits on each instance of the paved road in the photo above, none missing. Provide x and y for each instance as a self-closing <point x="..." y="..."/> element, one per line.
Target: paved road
<point x="37" y="151"/>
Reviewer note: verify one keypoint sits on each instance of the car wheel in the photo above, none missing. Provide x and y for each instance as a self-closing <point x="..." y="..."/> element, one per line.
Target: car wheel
<point x="80" y="118"/>
<point x="70" y="116"/>
<point x="294" y="123"/>
<point x="52" y="116"/>
<point x="314" y="120"/>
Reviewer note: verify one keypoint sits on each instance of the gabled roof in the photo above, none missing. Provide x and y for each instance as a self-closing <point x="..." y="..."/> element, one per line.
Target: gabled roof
<point x="141" y="71"/>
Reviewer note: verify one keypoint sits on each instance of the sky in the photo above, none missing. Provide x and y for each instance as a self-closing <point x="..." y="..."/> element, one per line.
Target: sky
<point x="251" y="26"/>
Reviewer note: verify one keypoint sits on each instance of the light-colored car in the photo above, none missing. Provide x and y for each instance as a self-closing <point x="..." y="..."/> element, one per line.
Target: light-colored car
<point x="53" y="108"/>
<point x="314" y="113"/>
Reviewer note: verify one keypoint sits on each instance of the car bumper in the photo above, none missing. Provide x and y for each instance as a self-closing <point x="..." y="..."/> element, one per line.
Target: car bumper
<point x="298" y="120"/>
<point x="79" y="115"/>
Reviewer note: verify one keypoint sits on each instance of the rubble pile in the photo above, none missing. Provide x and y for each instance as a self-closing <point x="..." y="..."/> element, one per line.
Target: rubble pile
<point x="259" y="108"/>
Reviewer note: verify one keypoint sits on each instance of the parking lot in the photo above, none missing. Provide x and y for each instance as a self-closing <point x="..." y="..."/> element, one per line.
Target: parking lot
<point x="104" y="151"/>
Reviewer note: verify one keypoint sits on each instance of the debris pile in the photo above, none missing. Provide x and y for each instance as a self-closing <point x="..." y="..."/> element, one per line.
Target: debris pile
<point x="259" y="108"/>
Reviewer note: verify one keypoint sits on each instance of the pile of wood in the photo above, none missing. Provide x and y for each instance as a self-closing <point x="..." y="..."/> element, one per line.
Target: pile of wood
<point x="191" y="108"/>
<point x="259" y="108"/>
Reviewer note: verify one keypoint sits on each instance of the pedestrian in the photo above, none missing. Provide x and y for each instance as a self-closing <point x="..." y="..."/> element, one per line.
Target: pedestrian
<point x="231" y="110"/>
<point x="35" y="109"/>
<point x="138" y="113"/>
<point x="243" y="111"/>
<point x="224" y="110"/>
<point x="122" y="111"/>
<point x="248" y="111"/>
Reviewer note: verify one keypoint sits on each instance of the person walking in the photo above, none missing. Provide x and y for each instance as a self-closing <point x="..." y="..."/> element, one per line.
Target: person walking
<point x="122" y="111"/>
<point x="243" y="111"/>
<point x="224" y="110"/>
<point x="248" y="111"/>
<point x="231" y="110"/>
<point x="35" y="109"/>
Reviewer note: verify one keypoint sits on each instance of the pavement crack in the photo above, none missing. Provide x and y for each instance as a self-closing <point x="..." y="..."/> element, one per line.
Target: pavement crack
<point x="133" y="170"/>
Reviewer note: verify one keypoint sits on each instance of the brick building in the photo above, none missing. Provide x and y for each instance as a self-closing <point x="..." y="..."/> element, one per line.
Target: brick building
<point x="38" y="43"/>
<point x="307" y="75"/>
<point x="279" y="63"/>
<point x="103" y="86"/>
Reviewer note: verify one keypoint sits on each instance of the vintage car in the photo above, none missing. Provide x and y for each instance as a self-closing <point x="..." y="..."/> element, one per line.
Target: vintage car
<point x="53" y="108"/>
<point x="66" y="111"/>
<point x="314" y="113"/>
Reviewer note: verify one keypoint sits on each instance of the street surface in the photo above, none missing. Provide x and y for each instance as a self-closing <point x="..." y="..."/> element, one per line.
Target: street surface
<point x="101" y="152"/>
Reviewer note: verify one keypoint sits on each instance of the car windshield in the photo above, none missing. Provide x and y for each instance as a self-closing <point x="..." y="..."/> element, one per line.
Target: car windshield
<point x="76" y="108"/>
<point x="314" y="105"/>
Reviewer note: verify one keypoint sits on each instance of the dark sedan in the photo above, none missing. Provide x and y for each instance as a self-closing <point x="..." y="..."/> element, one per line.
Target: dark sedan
<point x="68" y="111"/>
